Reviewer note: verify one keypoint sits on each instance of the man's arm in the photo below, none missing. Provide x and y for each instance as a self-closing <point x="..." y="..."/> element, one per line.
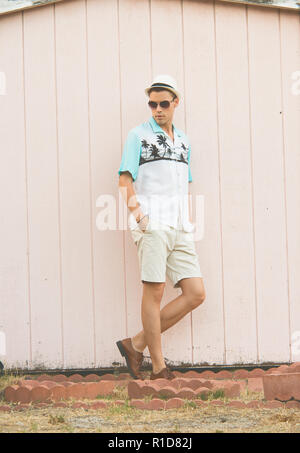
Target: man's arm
<point x="129" y="195"/>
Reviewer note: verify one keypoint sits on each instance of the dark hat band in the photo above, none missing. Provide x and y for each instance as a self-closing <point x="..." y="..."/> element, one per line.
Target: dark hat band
<point x="161" y="85"/>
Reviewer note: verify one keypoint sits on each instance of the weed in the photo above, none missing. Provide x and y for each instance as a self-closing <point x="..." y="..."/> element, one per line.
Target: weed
<point x="56" y="419"/>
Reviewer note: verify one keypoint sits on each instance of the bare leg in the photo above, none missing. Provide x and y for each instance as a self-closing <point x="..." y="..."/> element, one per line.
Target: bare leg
<point x="192" y="296"/>
<point x="152" y="295"/>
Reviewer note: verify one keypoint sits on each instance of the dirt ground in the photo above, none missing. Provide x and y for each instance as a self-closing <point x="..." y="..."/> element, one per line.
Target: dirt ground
<point x="125" y="419"/>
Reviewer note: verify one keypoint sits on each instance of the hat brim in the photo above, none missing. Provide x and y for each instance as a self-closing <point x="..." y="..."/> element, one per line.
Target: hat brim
<point x="165" y="88"/>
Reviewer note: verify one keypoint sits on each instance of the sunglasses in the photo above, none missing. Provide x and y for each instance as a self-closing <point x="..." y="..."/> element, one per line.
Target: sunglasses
<point x="163" y="104"/>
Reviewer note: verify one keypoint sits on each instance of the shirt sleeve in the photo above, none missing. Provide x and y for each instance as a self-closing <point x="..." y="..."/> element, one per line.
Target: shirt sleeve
<point x="189" y="164"/>
<point x="131" y="155"/>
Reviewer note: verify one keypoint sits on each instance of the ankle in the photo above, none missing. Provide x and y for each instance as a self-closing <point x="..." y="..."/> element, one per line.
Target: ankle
<point x="137" y="348"/>
<point x="158" y="369"/>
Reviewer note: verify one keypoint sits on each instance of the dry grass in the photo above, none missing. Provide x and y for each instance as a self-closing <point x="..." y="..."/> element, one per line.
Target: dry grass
<point x="119" y="419"/>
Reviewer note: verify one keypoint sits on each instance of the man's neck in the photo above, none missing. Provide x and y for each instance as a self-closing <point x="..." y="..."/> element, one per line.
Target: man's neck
<point x="168" y="129"/>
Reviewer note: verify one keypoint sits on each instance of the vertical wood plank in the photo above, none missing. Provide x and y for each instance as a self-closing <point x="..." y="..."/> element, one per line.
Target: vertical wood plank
<point x="75" y="184"/>
<point x="268" y="180"/>
<point x="104" y="100"/>
<point x="236" y="184"/>
<point x="290" y="63"/>
<point x="202" y="128"/>
<point x="43" y="201"/>
<point x="14" y="266"/>
<point x="168" y="58"/>
<point x="135" y="64"/>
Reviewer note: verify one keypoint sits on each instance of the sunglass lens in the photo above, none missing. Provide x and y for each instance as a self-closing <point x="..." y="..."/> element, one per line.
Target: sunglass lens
<point x="165" y="104"/>
<point x="152" y="104"/>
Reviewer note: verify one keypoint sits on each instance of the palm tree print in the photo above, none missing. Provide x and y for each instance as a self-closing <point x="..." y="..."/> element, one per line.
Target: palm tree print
<point x="154" y="151"/>
<point x="162" y="141"/>
<point x="145" y="145"/>
<point x="182" y="159"/>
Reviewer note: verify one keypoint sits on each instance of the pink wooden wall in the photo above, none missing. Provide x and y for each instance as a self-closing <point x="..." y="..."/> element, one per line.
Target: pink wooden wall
<point x="75" y="74"/>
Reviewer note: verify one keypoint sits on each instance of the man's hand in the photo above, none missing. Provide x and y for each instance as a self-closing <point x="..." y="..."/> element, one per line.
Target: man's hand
<point x="143" y="223"/>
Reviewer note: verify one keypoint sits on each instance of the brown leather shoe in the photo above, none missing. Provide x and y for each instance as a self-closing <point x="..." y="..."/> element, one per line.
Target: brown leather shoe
<point x="133" y="358"/>
<point x="165" y="373"/>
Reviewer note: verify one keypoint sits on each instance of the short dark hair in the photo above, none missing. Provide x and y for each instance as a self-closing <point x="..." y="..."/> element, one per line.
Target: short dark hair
<point x="157" y="89"/>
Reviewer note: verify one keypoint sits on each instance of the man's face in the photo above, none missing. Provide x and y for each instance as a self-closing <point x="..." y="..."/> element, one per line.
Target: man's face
<point x="162" y="115"/>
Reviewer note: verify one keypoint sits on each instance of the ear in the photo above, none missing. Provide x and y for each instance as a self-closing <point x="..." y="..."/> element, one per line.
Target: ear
<point x="176" y="102"/>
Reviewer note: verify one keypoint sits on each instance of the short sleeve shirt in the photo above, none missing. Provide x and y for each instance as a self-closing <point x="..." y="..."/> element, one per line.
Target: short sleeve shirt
<point x="161" y="171"/>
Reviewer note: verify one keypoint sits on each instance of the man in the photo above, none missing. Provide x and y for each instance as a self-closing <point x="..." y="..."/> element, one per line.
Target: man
<point x="156" y="157"/>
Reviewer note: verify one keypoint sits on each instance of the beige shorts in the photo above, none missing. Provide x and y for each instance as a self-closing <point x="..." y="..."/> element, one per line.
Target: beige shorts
<point x="164" y="250"/>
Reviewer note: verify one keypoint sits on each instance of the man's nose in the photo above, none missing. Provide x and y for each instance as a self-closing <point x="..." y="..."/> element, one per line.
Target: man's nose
<point x="158" y="108"/>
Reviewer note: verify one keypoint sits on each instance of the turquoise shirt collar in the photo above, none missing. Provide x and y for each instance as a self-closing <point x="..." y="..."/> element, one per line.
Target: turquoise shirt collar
<point x="157" y="129"/>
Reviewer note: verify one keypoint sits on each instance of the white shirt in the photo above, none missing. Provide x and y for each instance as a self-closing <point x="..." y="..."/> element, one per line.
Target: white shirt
<point x="161" y="173"/>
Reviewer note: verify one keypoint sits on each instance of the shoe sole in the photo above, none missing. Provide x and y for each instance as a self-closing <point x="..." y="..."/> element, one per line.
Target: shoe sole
<point x="123" y="353"/>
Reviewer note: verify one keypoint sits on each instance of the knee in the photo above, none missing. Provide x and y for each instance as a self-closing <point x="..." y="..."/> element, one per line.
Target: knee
<point x="196" y="298"/>
<point x="154" y="291"/>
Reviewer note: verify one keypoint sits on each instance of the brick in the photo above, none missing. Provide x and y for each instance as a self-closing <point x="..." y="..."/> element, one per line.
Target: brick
<point x="105" y="387"/>
<point x="186" y="393"/>
<point x="156" y="404"/>
<point x="202" y="391"/>
<point x="98" y="405"/>
<point x="20" y="407"/>
<point x="76" y="378"/>
<point x="92" y="390"/>
<point x="271" y="370"/>
<point x="237" y="404"/>
<point x="240" y="374"/>
<point x="59" y="378"/>
<point x="134" y="389"/>
<point x="255" y="404"/>
<point x="5" y="408"/>
<point x="282" y="387"/>
<point x="107" y="377"/>
<point x="23" y="394"/>
<point x="193" y="384"/>
<point x="168" y="392"/>
<point x="256" y="373"/>
<point x="139" y="404"/>
<point x="224" y="374"/>
<point x="191" y="374"/>
<point x="40" y="393"/>
<point x="10" y="393"/>
<point x="216" y="403"/>
<point x="149" y="390"/>
<point x="92" y="378"/>
<point x="28" y="383"/>
<point x="283" y="369"/>
<point x="41" y="405"/>
<point x="48" y="384"/>
<point x="43" y="377"/>
<point x="162" y="382"/>
<point x="60" y="404"/>
<point x="231" y="389"/>
<point x="294" y="367"/>
<point x="122" y="383"/>
<point x="273" y="404"/>
<point x="293" y="404"/>
<point x="125" y="376"/>
<point x="75" y="390"/>
<point x="174" y="403"/>
<point x="207" y="375"/>
<point x="255" y="384"/>
<point x="200" y="403"/>
<point x="80" y="405"/>
<point x="58" y="392"/>
<point x="118" y="403"/>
